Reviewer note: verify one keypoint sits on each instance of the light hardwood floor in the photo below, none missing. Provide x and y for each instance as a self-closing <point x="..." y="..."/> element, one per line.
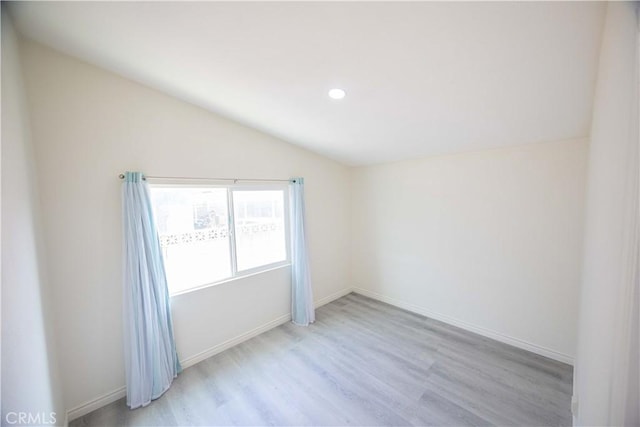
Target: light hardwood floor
<point x="363" y="363"/>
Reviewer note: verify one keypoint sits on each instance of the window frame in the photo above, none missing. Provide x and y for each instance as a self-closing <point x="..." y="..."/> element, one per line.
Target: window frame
<point x="233" y="260"/>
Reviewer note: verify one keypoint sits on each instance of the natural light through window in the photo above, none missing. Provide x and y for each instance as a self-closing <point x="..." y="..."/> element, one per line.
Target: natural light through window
<point x="259" y="228"/>
<point x="209" y="234"/>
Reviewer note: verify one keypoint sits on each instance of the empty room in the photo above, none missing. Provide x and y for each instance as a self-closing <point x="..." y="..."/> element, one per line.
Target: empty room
<point x="320" y="213"/>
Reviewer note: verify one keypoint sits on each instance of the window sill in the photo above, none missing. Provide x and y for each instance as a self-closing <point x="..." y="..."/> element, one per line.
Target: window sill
<point x="232" y="279"/>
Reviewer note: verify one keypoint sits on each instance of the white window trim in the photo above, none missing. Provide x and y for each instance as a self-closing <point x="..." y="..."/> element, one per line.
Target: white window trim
<point x="235" y="274"/>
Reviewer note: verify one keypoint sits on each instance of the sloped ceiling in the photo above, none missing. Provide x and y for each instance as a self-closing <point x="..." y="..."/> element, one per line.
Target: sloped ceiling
<point x="421" y="78"/>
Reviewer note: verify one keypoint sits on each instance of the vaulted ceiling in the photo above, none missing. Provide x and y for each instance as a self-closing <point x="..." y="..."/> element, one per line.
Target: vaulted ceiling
<point x="421" y="78"/>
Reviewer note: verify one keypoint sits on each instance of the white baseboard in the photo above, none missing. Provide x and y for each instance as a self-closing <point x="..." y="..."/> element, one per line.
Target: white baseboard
<point x="219" y="348"/>
<point x="119" y="393"/>
<point x="334" y="296"/>
<point x="190" y="361"/>
<point x="96" y="403"/>
<point x="516" y="342"/>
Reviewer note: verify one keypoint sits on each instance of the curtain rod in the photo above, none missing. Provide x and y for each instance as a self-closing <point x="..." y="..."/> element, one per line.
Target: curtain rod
<point x="121" y="176"/>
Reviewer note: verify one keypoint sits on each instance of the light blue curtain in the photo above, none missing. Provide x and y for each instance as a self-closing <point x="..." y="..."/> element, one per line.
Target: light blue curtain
<point x="302" y="310"/>
<point x="150" y="353"/>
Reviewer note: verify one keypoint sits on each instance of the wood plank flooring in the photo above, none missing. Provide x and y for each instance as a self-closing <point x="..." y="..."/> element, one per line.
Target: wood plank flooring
<point x="363" y="363"/>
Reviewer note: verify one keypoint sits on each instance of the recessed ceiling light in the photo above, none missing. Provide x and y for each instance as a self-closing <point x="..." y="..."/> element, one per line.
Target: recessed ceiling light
<point x="337" y="93"/>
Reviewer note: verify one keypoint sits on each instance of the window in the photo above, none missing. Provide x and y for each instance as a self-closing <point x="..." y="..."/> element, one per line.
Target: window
<point x="213" y="233"/>
<point x="259" y="228"/>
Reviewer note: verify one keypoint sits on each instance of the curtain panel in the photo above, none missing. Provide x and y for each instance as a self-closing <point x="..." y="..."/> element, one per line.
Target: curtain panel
<point x="302" y="310"/>
<point x="151" y="359"/>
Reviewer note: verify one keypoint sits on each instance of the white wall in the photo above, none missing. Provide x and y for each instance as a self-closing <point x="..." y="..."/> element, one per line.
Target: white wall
<point x="30" y="381"/>
<point x="615" y="120"/>
<point x="90" y="125"/>
<point x="488" y="240"/>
